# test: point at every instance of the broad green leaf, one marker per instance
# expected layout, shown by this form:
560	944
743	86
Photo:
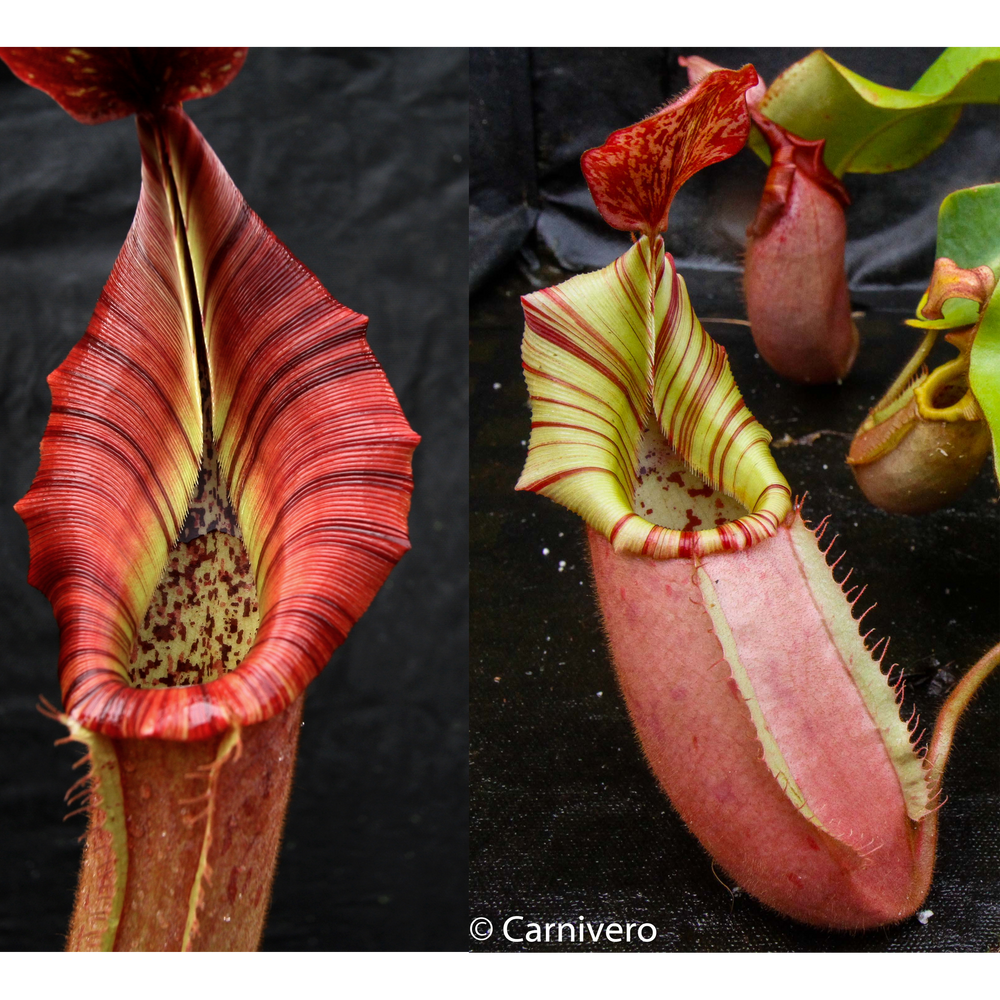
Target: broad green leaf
873	129
984	369
607	355
969	227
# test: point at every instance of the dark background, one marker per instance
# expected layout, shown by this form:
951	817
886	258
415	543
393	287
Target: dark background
566	819
358	160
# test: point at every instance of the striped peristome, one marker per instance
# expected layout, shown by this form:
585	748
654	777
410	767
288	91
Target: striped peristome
607	355
314	451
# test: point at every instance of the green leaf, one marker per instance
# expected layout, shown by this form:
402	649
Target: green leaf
984	369
969	227
873	129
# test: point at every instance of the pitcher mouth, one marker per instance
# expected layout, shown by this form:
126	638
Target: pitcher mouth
609	355
211	347
678	504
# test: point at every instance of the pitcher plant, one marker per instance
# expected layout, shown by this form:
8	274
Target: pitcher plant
765	714
224	486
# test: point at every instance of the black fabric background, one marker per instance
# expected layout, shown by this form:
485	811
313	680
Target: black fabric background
358	161
566	819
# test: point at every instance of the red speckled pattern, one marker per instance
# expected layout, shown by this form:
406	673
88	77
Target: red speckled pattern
101	84
203	616
634	176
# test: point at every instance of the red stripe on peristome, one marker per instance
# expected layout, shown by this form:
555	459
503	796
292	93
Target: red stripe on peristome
622	457
89	677
619	524
346	353
666	330
687	543
726	537
737	407
62	379
541	484
631	292
622	444
781	488
293	402
655	247
58	432
558	381
652	540
666	341
693	404
538	325
745	531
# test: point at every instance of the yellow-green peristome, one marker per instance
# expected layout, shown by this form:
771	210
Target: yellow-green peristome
607	355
